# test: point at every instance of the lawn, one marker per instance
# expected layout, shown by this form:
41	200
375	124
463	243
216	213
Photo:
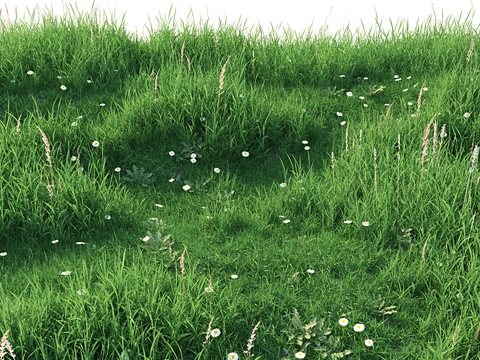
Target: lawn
218	193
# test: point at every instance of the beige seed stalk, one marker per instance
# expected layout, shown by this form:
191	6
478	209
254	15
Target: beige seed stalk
221	82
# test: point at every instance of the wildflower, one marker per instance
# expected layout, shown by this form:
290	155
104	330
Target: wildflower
300	355
108	217
117	169
171	180
208	289
80	293
217	170
186	187
193	160
159	205
466	115
146	238
286	221
234	276
80	243
66	273
349	94
343	123
171	153
307	148
63	87
124	356
310	271
74	124
232	356
283	185
339	114
348	221
459	295
304	142
245	154
365	223
215	332
73	158
359	327
30	72
102	104
343	322
369	342
95	143
193	156
54	241
3	254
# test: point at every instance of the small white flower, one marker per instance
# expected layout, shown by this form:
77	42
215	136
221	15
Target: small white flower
171	153
365	223
215	332
234	276
74	124
232	356
286	221
245	154
343	322
300	355
283	185
160	206
193	156
186	187
217	170
348	221
66	273
146	238
63	87
359	327
310	271
80	243
108	217
73	158
54	241
369	342
304	142
307	148
172	180
193	160
117	169
339	114
95	143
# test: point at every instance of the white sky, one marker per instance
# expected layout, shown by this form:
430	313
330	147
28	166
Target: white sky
297	14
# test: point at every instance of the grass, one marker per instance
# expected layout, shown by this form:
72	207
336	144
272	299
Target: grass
329	209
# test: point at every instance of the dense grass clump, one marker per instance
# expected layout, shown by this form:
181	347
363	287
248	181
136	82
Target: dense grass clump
212	194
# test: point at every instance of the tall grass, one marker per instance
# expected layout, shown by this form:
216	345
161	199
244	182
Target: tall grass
324	215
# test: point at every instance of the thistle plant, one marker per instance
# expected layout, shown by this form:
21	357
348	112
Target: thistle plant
309	334
138	177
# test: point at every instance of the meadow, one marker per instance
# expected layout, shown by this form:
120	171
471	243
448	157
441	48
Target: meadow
218	194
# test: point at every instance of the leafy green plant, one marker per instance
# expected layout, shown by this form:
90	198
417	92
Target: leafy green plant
138	177
156	243
311	334
189	149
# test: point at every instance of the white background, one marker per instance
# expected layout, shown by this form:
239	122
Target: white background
296	14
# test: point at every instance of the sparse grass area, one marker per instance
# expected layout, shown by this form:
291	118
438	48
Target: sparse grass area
330	208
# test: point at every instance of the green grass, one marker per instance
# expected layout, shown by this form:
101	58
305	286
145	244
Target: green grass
390	233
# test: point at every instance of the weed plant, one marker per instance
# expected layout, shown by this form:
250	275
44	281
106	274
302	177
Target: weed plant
210	194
